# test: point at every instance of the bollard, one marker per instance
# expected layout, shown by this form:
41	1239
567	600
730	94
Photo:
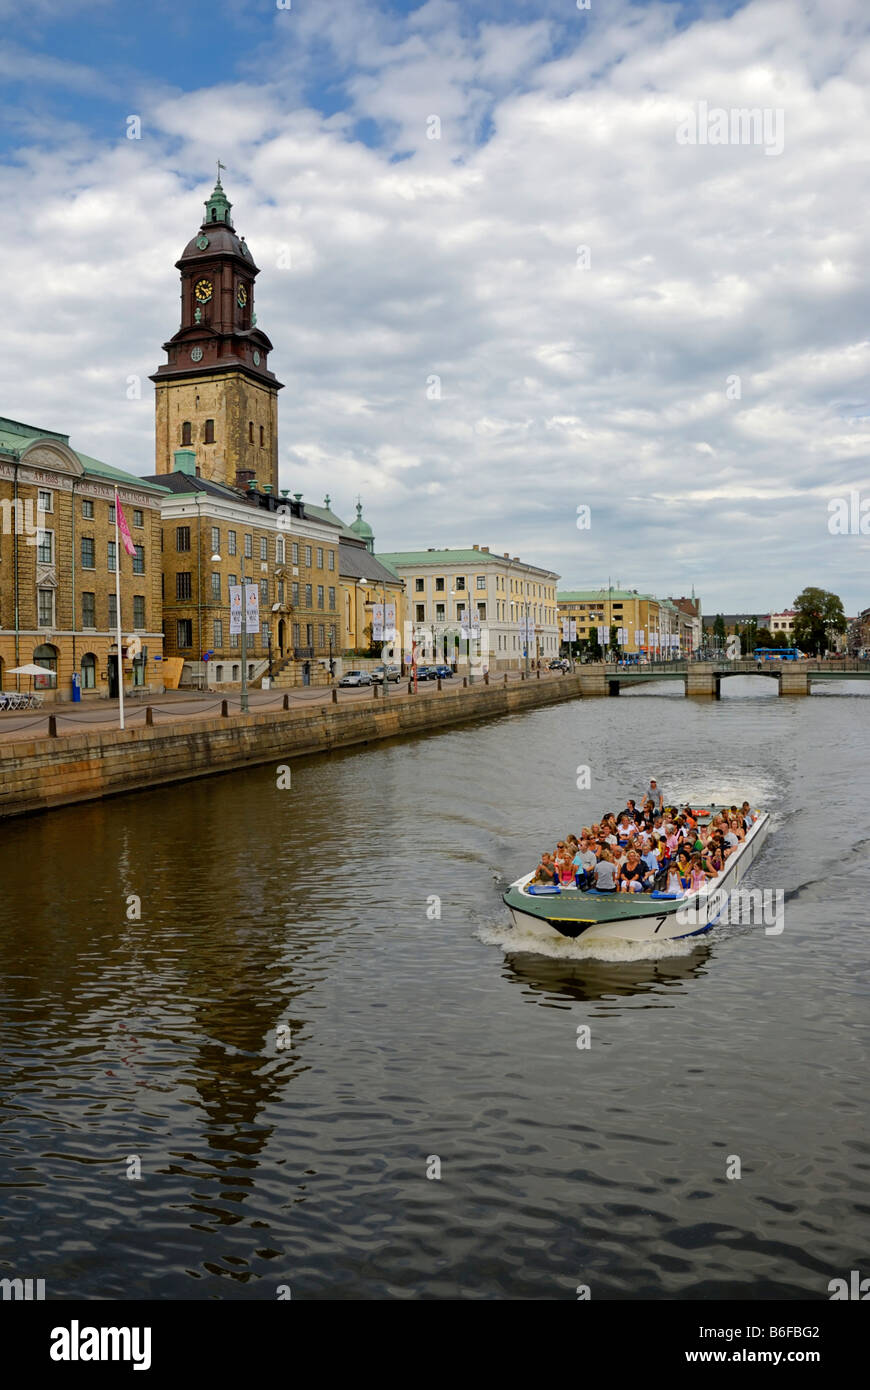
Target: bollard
410	687
464	682
374	691
486	678
149	717
538	673
334	696
286	702
52	726
438	683
225	709
505	677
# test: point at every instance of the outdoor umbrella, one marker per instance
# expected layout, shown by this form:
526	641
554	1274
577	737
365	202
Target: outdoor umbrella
31	670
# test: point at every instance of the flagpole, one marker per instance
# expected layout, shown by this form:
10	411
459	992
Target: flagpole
118	614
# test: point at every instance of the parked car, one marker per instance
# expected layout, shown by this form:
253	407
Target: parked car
426	673
445	672
393	674
355	678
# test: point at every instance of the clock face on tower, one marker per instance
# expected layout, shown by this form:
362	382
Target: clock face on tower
203	291
242	297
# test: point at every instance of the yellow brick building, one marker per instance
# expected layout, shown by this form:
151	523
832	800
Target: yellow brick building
57	567
638	614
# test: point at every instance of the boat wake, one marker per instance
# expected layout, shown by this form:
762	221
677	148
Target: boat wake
513	941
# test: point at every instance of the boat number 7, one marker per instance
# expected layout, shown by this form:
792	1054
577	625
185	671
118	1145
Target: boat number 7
660	923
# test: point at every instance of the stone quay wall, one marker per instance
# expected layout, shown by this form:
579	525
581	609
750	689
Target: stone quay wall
38	775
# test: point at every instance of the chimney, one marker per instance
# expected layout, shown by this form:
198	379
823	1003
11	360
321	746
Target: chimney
475	547
185	461
507	555
486	548
243	478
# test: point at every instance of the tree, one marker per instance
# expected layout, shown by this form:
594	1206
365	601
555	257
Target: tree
819	614
614	639
719	628
764	637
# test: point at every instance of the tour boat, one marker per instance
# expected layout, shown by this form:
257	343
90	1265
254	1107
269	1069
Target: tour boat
560	911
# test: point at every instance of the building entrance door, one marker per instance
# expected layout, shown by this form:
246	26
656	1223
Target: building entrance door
113	678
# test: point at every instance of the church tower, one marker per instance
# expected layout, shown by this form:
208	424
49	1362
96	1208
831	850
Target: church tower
216	400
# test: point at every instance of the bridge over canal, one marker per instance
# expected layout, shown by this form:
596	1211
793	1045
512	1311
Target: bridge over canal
704	678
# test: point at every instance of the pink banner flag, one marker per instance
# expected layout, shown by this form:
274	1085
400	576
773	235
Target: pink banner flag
124	528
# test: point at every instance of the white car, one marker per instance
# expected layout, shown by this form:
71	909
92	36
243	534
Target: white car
355	678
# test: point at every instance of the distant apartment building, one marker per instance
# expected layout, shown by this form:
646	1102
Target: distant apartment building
501	594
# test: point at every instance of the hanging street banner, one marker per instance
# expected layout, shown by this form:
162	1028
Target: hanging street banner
235	608
602	637
639	637
469	627
252	608
569	629
383	631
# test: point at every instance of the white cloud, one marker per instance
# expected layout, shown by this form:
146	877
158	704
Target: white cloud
560	384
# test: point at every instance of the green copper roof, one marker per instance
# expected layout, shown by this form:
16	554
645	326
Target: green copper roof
359	527
412	559
218	206
600	596
15	437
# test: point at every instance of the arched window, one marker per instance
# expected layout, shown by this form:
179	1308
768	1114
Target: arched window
185	432
237	673
219	674
250	431
89	671
46	655
262	436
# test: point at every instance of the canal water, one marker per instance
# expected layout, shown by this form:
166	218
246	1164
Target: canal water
361	908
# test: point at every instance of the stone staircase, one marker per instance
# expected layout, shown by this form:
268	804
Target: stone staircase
287	674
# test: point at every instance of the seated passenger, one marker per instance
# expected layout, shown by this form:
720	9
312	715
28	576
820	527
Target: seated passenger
564	865
697	878
584	862
632	878
605	875
546	871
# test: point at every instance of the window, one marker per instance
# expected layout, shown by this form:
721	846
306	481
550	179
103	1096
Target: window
87	509
279	550
481	610
182	538
421	612
460	612
184	633
249	547
89	610
250	431
45	547
111	513
320	596
481	581
183	584
216	586
45	501
308	556
280	590
264	549
419	586
295	552
235	641
295	598
332	599
321	635
89	671
264	591
320	557
307	595
231	542
113	611
139	559
112	557
460	583
138	610
45	607
439	585
186	432
296	634
218	637
219	673
331	558
265	634
262	436
440	613
138	517
89	559
209	432
215	540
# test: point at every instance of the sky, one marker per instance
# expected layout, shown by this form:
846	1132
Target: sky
516	260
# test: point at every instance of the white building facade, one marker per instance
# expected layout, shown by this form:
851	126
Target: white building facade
473	608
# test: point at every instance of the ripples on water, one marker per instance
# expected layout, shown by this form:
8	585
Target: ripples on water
418	1036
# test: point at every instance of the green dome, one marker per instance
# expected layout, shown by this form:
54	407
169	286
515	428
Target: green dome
361	528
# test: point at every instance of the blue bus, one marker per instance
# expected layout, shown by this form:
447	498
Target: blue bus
777	654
